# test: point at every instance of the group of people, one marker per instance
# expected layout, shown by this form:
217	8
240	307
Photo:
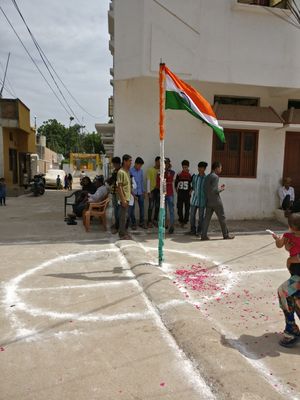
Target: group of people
198	196
67	184
91	192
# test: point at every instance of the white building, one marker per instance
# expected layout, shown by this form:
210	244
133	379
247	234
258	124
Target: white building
244	59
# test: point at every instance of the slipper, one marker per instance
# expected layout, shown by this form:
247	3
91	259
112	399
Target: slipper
71	222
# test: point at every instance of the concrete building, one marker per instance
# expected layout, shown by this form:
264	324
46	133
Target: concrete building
244	58
17	142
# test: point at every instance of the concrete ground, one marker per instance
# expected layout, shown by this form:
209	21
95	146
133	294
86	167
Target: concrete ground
85	316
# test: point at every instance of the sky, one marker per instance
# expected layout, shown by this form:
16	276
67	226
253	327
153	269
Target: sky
73	34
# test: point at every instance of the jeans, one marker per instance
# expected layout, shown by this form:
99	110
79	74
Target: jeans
116	209
183	200
201	211
122	220
153	204
140	200
170	206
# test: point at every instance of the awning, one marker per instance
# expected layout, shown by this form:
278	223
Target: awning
292	119
105	128
247	117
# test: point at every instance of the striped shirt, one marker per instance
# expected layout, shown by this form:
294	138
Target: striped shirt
198	196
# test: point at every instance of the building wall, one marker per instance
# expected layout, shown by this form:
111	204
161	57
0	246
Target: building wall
206	40
137	133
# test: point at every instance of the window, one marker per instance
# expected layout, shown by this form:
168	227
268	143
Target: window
238	155
294	104
266	3
237	100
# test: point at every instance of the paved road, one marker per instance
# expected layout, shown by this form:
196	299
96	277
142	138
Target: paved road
84	316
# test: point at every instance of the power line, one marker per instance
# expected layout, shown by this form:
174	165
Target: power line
32	59
45	58
9	85
7	89
41	55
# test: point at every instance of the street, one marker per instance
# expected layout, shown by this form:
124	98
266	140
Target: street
85	316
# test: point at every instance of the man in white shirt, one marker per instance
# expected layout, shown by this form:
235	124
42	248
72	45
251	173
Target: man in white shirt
101	191
286	194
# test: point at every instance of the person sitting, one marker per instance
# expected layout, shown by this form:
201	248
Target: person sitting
81	197
286	194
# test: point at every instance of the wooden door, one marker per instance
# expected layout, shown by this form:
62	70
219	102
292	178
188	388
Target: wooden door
291	166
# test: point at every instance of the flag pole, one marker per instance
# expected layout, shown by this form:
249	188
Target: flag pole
161	225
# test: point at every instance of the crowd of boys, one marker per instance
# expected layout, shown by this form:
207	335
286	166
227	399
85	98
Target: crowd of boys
197	195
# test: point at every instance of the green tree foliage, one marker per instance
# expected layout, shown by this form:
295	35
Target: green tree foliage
64	140
55	134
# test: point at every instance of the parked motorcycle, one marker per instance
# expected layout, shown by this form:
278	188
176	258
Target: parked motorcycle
37	186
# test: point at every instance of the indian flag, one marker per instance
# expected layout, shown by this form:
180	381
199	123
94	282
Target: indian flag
181	96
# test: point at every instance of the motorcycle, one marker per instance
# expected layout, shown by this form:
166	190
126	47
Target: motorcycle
37	186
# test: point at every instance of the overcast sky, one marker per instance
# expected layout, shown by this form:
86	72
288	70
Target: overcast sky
74	36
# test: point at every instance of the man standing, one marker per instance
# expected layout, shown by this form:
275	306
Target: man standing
112	181
153	192
213	201
124	193
137	173
198	201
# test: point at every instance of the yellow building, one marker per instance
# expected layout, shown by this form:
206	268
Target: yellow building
17	141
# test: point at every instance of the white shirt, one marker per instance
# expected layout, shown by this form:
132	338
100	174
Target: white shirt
282	192
99	195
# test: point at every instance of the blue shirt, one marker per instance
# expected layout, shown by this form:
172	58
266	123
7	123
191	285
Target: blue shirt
139	180
198	196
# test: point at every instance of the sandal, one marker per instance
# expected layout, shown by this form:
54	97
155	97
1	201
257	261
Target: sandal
288	340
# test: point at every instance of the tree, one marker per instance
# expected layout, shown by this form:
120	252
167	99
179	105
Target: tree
65	140
55	133
92	143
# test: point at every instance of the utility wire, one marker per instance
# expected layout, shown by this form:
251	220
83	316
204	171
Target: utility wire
45	59
7	89
9	85
32	59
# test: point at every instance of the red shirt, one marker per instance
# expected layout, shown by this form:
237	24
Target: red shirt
169	177
295	241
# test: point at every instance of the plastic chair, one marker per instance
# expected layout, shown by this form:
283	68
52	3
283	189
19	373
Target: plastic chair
95	210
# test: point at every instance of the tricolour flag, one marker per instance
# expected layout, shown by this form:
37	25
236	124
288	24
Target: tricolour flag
181	96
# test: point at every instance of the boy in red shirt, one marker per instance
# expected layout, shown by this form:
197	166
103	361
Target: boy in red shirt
183	188
169	198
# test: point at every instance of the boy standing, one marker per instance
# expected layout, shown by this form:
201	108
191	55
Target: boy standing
153	192
112	181
124	193
2	192
58	183
137	173
183	189
169	198
198	201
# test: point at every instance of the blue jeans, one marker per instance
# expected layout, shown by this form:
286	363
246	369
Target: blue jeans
201	211
140	200
170	206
